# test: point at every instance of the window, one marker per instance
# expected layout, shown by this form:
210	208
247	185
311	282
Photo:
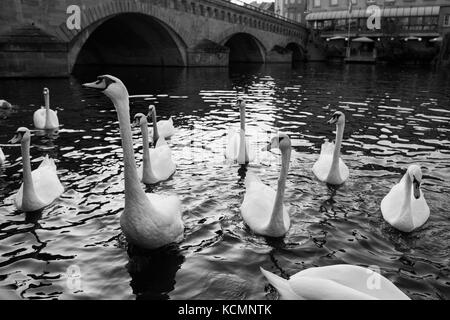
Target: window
447	20
316	3
354	1
333	2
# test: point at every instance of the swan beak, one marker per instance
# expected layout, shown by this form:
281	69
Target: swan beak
332	120
15	139
268	147
416	188
94	85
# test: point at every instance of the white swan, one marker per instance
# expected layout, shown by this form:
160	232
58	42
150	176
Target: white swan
404	207
148	220
337	282
46	118
262	209
238	147
40	187
330	168
2	157
157	162
161	128
5	104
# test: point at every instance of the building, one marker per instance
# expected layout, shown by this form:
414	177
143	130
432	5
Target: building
292	9
264	5
412	26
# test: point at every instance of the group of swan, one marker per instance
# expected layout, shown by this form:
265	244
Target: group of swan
151	220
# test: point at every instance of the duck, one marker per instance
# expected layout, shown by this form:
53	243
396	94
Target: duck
157	162
148	220
262	209
40	187
238	149
161	128
46	118
330	167
335	282
2	157
405	207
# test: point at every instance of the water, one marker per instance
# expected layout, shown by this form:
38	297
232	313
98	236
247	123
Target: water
395	117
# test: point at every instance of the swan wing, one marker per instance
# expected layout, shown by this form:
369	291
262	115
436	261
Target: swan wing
46	182
166	128
345	282
343	170
2	157
282	286
420	210
53	121
161	160
167	215
322	166
39	118
232	149
391	205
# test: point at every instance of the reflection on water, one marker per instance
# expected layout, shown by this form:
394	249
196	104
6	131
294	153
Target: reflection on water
395	117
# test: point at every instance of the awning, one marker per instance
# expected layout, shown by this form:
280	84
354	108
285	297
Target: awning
437	39
336	38
362	39
386	12
412	38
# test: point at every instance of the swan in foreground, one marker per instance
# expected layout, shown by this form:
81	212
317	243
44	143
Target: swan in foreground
238	147
40	187
404	207
157	162
330	168
46	118
161	128
262	209
148	220
337	282
2	157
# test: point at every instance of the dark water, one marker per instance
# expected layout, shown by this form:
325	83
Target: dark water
74	249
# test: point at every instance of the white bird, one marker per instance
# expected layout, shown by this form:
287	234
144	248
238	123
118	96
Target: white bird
238	148
330	168
157	162
40	187
161	128
5	104
337	282
262	209
405	207
46	118
148	220
2	157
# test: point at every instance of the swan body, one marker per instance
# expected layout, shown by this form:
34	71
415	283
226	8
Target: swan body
336	282
46	118
157	164
149	221
262	209
330	167
237	148
40	187
2	157
161	128
405	207
5	104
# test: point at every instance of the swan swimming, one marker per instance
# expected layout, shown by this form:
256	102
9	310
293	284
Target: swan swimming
2	157
46	118
262	209
330	168
157	162
5	105
161	128
148	220
336	282
405	207
238	147
40	187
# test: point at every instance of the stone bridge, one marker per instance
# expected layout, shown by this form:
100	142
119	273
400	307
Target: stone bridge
49	37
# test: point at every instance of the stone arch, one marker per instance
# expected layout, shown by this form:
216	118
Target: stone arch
298	52
244	48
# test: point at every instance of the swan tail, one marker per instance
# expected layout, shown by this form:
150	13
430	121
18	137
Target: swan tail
161	142
327	147
282	285
48	162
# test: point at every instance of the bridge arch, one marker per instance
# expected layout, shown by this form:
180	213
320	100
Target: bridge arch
298	52
245	48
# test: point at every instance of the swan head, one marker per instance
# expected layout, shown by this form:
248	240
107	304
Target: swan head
46	92
140	119
281	141
240	103
338	118
111	86
415	174
22	135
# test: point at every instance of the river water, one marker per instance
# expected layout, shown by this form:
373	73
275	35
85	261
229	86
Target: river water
74	249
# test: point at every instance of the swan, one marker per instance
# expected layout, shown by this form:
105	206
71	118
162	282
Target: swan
161	128
148	221
5	104
157	162
336	282
40	187
238	148
2	157
46	118
330	168
262	209
405	207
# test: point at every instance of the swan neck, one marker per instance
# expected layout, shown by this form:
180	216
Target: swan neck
155	127
28	186
242	118
277	219
146	149
133	189
337	148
